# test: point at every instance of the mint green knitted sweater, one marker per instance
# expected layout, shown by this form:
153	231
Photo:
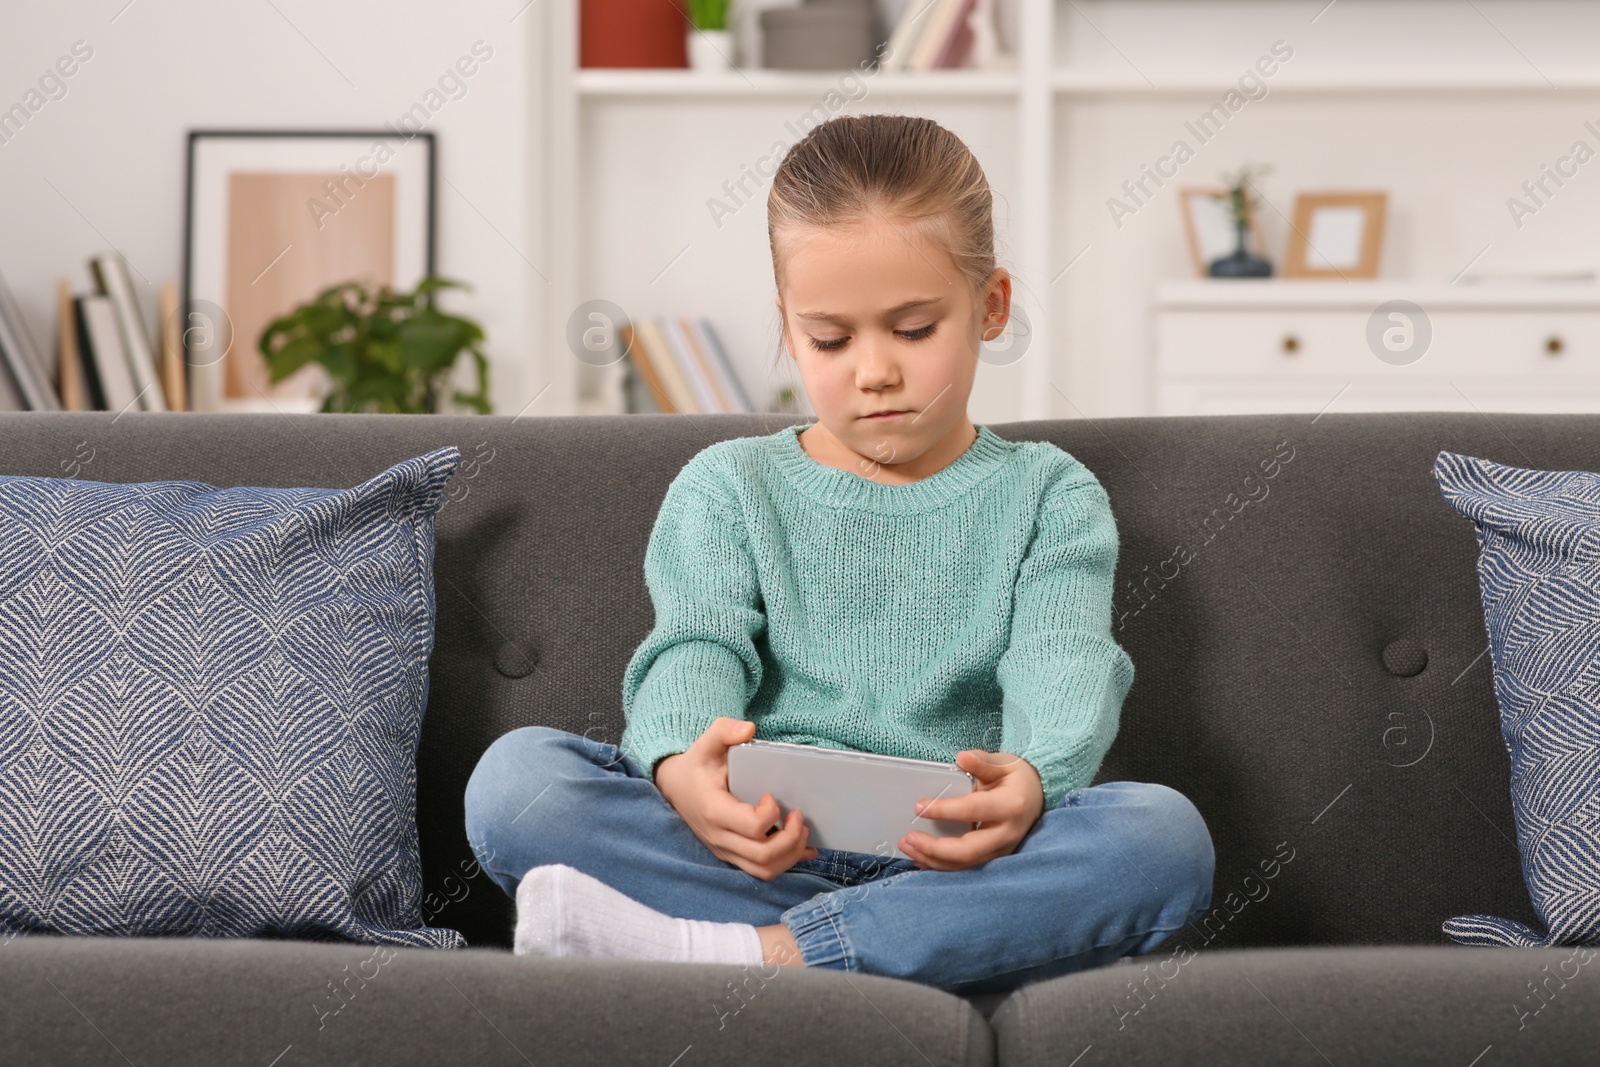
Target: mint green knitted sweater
969	609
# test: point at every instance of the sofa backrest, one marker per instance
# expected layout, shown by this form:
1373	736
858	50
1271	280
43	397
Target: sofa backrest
1299	602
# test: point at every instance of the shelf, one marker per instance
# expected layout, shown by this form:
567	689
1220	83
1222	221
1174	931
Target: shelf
1093	81
1066	81
1369	293
601	83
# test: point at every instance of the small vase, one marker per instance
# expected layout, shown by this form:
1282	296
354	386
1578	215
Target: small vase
710	49
1240	263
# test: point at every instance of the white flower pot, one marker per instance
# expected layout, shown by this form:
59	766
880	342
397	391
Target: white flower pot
710	49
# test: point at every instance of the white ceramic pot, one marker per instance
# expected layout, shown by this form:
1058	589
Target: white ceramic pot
710	49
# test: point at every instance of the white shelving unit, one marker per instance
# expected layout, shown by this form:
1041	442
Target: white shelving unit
1379	94
582	106
595	84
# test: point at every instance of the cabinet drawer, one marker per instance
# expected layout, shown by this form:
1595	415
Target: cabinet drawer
1295	342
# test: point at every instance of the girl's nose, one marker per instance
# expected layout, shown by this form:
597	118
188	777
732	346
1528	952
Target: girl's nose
876	368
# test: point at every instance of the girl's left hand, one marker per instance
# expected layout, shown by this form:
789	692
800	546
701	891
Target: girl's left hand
1006	801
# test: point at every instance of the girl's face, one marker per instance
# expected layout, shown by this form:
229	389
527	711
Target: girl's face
879	319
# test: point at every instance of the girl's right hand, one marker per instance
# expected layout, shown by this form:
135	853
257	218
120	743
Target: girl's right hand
695	783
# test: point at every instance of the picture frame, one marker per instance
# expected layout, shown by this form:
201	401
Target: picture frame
1336	235
273	217
1208	226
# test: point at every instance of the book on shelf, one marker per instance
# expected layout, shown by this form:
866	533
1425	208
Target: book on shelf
701	387
105	363
707	338
635	395
935	34
678	365
651	345
95	367
641	372
75	393
110	272
10	395
174	369
28	375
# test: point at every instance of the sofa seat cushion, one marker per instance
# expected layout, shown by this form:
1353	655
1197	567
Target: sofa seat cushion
1313	1005
92	1001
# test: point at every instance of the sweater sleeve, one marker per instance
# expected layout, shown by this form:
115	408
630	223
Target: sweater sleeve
1062	675
699	660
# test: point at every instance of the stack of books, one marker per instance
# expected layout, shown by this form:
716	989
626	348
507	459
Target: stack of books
682	366
105	358
933	35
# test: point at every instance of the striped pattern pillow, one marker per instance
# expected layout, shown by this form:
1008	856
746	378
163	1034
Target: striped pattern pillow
1539	576
210	702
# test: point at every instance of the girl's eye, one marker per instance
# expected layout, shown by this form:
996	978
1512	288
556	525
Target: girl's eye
834	344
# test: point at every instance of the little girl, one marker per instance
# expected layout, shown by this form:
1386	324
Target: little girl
890	578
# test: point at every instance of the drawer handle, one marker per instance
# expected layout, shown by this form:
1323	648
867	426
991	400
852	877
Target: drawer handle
1291	344
1553	345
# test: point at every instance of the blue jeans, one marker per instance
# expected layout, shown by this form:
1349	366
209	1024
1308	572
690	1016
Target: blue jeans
1110	871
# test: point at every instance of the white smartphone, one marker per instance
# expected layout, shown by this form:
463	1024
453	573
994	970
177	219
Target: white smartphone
852	801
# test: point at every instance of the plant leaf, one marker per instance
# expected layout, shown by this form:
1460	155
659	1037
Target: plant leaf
385	354
292	356
429	342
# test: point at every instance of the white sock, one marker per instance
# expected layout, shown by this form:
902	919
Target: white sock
562	911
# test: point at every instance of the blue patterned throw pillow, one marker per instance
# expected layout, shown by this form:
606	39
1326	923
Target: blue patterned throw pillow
1539	576
210	702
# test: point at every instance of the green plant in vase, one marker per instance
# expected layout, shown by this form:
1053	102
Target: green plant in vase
1241	196
709	14
383	350
710	40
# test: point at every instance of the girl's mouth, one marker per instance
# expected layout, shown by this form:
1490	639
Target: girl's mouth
884	416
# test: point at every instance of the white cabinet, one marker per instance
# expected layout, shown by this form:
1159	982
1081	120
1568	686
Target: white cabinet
1236	347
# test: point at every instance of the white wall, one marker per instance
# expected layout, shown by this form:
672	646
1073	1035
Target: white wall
103	165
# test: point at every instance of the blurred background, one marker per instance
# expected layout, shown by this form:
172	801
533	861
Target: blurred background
1207	207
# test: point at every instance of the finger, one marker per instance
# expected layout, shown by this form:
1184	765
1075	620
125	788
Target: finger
715	738
768	815
772	856
1014	765
790	841
712	838
986	766
983	806
728	732
757	825
750	821
956	853
803	849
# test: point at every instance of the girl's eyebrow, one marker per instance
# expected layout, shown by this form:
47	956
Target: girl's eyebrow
907	306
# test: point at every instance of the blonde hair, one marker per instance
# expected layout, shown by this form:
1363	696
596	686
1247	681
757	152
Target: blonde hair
907	168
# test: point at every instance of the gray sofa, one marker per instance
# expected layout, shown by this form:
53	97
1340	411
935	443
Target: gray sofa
1309	672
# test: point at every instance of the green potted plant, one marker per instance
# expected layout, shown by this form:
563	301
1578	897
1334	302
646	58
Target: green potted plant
710	41
383	351
1241	196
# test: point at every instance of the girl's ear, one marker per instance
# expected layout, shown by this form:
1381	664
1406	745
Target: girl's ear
997	301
